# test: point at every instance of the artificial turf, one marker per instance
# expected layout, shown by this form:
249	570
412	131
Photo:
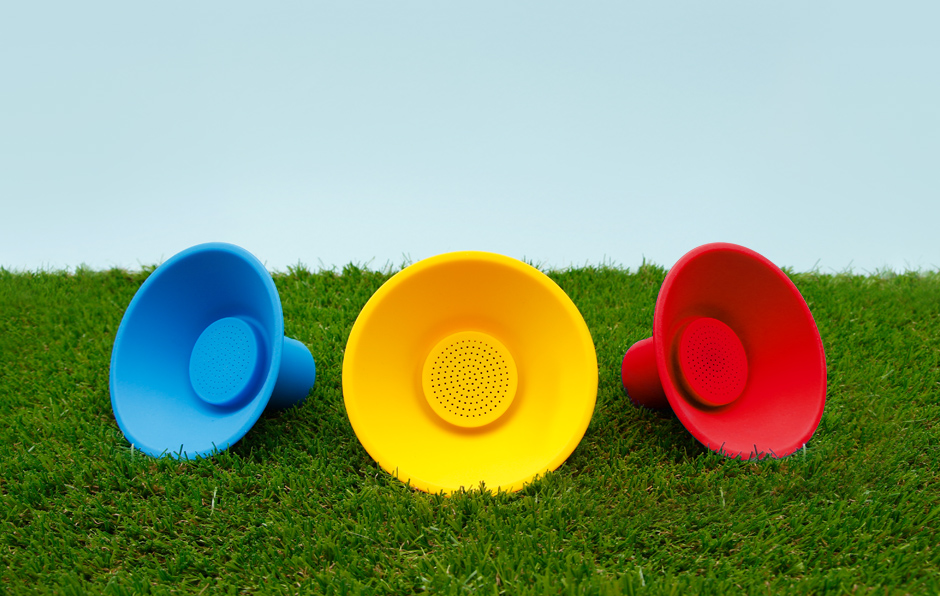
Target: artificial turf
640	507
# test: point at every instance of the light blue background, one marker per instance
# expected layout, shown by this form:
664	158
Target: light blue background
562	133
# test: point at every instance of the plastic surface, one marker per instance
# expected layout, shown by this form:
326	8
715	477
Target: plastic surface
641	377
420	315
296	378
469	379
225	363
711	361
784	389
199	352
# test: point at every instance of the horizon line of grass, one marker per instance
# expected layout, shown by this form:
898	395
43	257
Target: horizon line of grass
390	269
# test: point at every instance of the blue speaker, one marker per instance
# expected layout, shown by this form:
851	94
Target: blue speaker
201	353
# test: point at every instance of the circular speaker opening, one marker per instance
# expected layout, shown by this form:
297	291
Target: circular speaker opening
469	379
224	362
712	361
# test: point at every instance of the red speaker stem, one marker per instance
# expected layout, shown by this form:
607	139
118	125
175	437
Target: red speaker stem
641	377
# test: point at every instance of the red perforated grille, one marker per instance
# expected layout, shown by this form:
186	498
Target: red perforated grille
712	361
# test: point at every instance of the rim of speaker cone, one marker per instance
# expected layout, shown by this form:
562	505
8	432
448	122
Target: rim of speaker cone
200	353
735	352
468	368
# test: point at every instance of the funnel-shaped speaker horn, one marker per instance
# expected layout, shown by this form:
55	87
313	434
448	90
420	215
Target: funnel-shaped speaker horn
469	368
735	353
201	352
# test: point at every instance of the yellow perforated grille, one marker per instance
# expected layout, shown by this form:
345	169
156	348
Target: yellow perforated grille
469	379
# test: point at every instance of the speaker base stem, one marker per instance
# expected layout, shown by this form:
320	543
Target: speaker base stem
641	377
296	377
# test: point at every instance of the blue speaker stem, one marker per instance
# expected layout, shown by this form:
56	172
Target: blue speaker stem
296	377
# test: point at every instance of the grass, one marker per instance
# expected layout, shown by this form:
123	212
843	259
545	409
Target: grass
640	507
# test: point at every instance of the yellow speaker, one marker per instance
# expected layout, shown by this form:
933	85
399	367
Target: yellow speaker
469	369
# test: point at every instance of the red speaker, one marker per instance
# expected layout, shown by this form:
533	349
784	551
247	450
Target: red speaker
735	353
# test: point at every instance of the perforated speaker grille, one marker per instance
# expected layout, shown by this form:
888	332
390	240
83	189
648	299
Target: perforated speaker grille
224	361
469	379
712	361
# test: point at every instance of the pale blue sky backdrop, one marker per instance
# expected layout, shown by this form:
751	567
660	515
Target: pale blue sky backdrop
564	133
